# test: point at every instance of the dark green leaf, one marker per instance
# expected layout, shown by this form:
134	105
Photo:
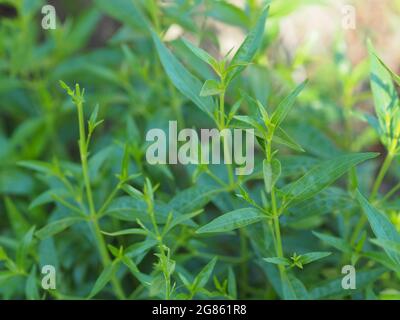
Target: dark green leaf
56	227
183	80
381	226
322	175
233	220
249	47
103	279
335	242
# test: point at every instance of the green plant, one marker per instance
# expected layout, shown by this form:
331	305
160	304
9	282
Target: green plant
323	193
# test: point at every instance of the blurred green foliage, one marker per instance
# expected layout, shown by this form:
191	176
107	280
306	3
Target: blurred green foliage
114	226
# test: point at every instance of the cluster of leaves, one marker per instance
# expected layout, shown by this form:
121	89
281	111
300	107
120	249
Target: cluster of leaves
114	226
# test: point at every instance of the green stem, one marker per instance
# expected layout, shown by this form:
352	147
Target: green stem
222	126
382	172
105	258
276	213
222	109
242	234
83	154
164	258
277	231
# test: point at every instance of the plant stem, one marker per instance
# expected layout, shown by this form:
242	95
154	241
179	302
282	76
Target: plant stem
242	234
83	154
222	109
391	192
106	258
382	172
106	203
277	231
101	244
275	212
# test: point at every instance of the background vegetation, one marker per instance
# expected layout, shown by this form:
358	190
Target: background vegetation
324	193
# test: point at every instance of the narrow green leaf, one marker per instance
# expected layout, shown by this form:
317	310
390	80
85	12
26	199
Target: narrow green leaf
381	225
313	256
283	138
18	222
127	208
234	109
103	279
313	140
180	220
252	122
93	123
125	11
48	197
202	278
56	227
278	260
293	288
143	278
31	288
322	175
286	104
384	93
333	288
249	47
23	247
183	80
194	198
232	286
126	232
335	242
210	88
200	53
233	220
383	259
388	245
3	254
66	87
228	13
140	248
395	77
39	166
329	200
48	254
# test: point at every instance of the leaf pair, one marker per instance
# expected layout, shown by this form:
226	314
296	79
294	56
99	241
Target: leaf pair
298	260
189	85
270	127
201	279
